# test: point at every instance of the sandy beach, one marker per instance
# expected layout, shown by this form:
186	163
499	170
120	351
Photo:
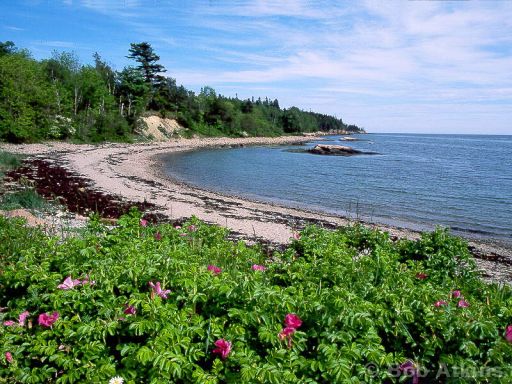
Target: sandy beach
134	172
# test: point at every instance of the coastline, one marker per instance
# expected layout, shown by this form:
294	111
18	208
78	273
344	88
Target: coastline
135	172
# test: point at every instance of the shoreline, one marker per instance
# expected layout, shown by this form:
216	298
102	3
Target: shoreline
135	172
375	221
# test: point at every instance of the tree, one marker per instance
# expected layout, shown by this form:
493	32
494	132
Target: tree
291	120
247	106
143	54
206	98
106	72
133	92
59	98
26	101
63	70
7	48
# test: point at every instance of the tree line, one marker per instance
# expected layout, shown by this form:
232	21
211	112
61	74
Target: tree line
59	98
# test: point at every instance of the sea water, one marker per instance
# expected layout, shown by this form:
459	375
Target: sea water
415	181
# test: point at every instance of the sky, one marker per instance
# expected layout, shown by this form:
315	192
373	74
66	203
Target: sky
388	66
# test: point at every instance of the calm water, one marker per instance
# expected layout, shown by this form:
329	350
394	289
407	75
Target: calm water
416	181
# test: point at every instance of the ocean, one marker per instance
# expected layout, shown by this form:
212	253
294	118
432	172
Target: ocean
415	181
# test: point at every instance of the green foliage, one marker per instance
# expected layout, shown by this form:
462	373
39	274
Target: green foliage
143	54
356	292
57	99
7	47
8	161
26	198
217	115
25	101
133	91
445	255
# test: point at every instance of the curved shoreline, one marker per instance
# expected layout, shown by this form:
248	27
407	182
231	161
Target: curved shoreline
135	172
158	166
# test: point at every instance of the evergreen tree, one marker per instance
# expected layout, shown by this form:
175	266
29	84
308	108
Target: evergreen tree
143	54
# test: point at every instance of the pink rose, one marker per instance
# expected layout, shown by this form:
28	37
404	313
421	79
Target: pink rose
292	321
508	333
462	304
69	283
223	348
47	320
158	290
130	310
23	316
286	332
213	269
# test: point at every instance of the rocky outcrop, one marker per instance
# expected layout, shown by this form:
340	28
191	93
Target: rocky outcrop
339	150
348	138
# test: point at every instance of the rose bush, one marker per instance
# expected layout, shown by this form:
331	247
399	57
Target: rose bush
161	304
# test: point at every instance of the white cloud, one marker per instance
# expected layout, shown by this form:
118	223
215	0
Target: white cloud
13	28
55	43
109	5
338	54
115	9
273	8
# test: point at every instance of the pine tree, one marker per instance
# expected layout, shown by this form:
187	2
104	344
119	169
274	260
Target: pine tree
143	53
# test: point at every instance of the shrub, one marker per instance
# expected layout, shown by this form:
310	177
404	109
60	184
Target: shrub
8	161
26	198
335	306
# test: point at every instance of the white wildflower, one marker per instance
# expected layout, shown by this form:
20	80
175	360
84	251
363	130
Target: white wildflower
116	380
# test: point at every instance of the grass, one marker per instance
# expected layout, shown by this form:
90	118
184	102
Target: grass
8	161
26	198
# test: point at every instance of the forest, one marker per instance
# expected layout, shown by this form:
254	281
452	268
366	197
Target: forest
61	99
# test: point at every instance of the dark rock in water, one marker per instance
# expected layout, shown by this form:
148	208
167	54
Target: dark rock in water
340	150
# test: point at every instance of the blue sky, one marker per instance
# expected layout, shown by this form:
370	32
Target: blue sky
389	66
